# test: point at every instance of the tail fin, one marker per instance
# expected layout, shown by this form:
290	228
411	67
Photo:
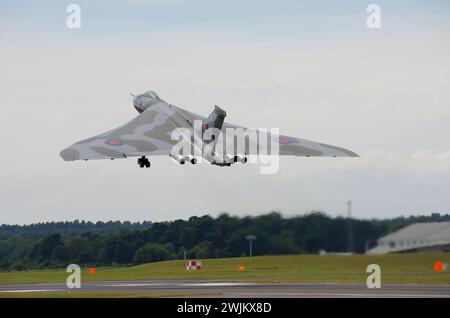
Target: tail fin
216	118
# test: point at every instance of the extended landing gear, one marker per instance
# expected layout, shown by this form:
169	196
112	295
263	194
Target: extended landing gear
143	162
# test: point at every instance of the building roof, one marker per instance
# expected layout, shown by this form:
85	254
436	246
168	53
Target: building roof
414	236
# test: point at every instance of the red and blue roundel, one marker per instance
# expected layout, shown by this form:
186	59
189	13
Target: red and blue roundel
114	142
284	140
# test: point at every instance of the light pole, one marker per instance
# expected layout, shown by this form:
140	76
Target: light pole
250	238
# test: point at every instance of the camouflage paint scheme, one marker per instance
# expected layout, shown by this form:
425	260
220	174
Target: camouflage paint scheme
149	134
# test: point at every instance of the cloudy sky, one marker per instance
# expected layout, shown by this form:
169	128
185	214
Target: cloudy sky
312	69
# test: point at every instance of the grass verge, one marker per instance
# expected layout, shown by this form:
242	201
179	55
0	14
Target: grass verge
395	268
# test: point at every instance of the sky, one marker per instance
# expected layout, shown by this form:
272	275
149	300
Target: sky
310	68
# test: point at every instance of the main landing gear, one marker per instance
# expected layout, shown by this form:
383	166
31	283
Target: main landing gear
143	162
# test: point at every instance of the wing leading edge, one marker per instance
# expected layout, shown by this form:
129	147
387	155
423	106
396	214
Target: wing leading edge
290	146
148	134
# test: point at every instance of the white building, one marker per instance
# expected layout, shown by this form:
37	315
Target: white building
433	236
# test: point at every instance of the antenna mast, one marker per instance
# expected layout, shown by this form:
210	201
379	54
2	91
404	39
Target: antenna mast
349	227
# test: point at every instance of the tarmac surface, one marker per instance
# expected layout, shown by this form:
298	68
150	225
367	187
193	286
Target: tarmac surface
186	288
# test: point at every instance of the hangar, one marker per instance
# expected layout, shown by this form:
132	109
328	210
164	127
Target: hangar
418	237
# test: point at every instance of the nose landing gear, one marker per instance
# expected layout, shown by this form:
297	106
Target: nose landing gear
143	162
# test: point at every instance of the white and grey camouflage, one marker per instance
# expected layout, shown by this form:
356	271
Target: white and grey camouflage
149	134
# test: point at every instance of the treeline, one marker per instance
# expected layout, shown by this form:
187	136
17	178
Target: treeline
198	237
38	230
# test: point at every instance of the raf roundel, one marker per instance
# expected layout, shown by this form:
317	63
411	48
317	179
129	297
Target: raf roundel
114	142
284	140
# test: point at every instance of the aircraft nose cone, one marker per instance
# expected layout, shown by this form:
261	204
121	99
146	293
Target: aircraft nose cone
70	154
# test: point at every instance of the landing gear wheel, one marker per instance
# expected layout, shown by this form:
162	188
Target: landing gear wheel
143	162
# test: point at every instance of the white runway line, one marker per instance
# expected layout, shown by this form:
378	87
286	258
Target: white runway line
217	284
135	285
29	290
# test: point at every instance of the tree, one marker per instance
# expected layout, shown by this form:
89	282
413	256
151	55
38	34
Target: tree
204	250
152	252
76	247
284	243
102	257
44	249
60	253
236	244
124	253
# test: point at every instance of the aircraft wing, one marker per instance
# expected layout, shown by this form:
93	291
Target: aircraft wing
288	146
291	146
148	134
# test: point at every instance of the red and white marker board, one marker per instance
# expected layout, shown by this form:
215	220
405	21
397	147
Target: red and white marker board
193	265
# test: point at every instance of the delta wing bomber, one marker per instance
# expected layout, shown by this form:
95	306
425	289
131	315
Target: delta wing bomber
160	126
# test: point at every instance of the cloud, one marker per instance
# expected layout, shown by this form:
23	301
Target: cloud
431	163
422	165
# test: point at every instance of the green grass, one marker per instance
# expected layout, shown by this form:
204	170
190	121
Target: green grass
395	268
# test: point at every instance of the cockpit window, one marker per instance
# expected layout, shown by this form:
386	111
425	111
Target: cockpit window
151	94
148	99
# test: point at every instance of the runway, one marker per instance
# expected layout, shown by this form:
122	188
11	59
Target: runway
185	288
